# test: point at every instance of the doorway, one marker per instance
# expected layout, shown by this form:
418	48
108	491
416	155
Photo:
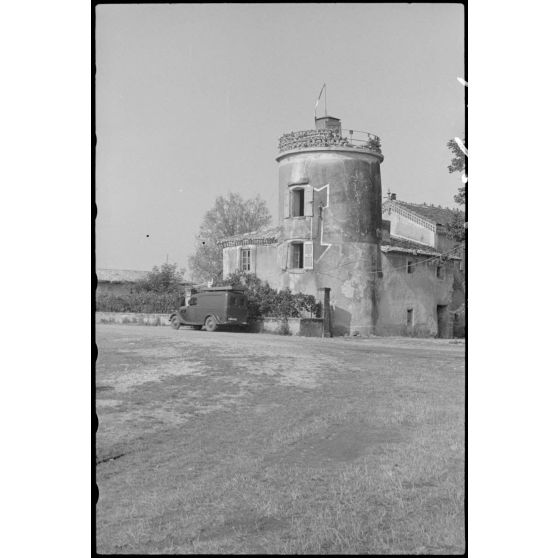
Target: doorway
443	321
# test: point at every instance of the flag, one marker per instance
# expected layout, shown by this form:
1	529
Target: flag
319	97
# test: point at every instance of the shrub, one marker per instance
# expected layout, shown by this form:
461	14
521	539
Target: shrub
264	301
144	301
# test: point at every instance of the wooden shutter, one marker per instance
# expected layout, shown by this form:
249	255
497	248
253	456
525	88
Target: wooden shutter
287	203
308	255
286	255
238	261
308	201
283	251
252	259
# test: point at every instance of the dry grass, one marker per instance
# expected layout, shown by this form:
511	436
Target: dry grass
367	457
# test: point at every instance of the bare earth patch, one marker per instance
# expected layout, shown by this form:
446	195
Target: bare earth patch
237	443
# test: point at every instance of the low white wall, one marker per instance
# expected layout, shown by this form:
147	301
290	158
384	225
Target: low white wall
132	318
312	327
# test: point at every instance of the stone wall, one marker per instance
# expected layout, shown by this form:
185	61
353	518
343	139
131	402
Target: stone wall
304	327
131	318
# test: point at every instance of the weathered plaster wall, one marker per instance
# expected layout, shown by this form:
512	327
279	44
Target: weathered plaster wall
345	226
264	261
421	291
444	243
403	227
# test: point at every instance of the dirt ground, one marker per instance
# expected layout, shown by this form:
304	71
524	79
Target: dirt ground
250	443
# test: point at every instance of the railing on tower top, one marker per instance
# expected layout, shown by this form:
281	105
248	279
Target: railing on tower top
329	138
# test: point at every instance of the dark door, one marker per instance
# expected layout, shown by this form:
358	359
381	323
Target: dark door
443	321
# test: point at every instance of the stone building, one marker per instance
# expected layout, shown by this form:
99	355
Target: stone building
390	270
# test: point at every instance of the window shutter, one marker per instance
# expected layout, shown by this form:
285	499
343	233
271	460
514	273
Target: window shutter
238	266
308	255
308	201
253	259
284	255
281	249
287	204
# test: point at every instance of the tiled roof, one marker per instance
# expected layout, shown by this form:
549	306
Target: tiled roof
123	275
435	214
404	246
266	235
120	275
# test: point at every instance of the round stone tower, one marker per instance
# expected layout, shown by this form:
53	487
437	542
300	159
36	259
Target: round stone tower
330	198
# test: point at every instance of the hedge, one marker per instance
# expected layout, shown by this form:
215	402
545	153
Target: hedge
145	302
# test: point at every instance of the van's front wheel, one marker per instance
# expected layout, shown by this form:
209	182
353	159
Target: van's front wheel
175	322
210	324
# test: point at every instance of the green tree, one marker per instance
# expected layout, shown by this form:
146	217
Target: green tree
229	216
457	165
165	279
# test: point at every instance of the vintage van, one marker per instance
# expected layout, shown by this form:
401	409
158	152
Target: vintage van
213	307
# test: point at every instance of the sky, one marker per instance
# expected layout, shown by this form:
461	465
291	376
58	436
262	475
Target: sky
192	99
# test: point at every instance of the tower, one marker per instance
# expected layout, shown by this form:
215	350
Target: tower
330	198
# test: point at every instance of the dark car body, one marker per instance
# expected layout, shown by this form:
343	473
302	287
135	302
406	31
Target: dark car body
213	307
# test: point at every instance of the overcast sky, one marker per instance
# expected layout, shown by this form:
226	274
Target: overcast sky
191	101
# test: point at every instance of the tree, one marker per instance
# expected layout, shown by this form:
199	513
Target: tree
229	216
166	279
456	227
457	165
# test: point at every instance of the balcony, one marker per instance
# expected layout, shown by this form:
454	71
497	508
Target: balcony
348	139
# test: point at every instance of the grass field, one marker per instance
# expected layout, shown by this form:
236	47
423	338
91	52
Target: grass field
238	443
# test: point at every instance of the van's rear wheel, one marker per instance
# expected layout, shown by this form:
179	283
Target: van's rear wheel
175	322
210	324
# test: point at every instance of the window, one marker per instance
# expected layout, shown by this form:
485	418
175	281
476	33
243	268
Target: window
410	317
410	267
193	301
440	272
297	255
298	202
245	257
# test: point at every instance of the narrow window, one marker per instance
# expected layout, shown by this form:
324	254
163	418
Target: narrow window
297	255
410	267
245	259
298	202
410	317
439	272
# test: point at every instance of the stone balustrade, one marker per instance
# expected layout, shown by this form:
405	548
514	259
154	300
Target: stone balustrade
304	139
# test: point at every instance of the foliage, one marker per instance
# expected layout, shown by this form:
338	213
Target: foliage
458	160
229	216
458	164
143	301
166	279
456	227
264	301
